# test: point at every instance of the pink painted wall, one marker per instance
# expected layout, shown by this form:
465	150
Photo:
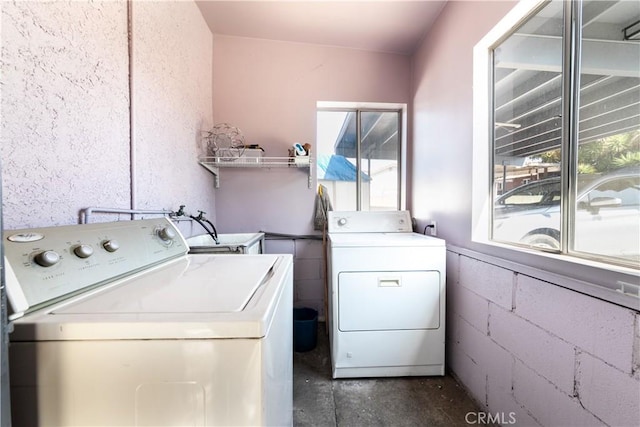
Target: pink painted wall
269	90
519	341
64	119
172	87
64	140
442	105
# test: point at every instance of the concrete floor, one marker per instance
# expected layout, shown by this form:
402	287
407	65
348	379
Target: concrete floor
319	400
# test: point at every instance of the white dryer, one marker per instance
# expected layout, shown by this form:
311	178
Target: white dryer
387	296
115	325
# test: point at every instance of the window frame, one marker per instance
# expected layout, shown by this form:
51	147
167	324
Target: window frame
614	283
401	203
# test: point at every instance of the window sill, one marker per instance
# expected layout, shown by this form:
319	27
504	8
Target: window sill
616	284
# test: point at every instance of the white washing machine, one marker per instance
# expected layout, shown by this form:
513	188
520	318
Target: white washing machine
387	296
115	325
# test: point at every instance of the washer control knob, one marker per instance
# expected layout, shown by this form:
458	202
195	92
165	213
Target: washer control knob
167	234
47	258
111	245
342	221
83	251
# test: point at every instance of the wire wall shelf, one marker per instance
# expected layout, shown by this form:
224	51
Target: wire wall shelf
214	164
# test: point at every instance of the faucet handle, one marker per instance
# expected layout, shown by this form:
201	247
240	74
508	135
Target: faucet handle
180	211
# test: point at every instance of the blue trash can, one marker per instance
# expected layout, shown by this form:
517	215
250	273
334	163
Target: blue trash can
305	329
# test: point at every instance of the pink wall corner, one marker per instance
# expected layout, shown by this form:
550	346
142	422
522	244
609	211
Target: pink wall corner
171	113
442	115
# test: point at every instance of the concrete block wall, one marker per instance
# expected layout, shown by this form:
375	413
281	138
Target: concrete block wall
308	270
536	354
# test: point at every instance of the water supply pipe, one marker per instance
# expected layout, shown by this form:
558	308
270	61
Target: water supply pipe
86	213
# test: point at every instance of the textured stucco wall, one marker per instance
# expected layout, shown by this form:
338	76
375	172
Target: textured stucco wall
516	338
66	109
172	67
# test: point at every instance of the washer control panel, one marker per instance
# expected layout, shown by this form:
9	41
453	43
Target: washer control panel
44	265
369	222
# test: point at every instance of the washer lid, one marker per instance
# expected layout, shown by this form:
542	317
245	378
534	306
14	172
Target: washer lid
193	297
197	284
383	240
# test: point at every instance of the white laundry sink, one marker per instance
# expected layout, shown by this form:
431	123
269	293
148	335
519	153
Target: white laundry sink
236	243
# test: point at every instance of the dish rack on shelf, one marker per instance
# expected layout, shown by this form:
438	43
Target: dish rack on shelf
213	164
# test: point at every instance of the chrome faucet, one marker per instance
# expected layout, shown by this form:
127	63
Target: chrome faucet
179	212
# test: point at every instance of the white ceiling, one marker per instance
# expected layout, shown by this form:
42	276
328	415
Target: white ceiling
384	25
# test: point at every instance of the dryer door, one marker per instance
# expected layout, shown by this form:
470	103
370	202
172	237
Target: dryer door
396	300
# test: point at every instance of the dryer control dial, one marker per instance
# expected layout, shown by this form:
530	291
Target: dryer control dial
342	221
47	258
83	251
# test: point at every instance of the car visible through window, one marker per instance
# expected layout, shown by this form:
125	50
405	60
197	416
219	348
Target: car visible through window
605	222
